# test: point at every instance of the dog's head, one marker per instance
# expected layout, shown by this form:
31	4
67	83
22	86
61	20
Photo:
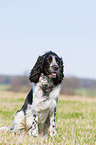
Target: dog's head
51	65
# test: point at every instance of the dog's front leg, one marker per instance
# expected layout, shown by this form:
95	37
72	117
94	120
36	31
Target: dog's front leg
53	131
33	129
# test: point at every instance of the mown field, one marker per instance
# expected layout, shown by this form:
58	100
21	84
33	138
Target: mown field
75	121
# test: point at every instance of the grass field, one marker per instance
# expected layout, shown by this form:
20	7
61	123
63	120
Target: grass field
86	92
75	121
4	87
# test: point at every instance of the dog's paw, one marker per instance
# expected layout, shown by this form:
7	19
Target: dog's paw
32	132
53	133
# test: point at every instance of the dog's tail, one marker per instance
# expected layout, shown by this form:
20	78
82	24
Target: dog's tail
6	128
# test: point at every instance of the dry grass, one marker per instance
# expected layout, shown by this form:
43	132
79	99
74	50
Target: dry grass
77	98
75	120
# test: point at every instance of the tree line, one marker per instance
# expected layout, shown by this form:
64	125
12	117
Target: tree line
69	84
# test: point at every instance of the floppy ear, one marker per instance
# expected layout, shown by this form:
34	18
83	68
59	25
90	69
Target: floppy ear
62	69
60	75
37	70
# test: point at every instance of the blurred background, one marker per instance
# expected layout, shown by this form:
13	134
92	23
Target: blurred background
31	28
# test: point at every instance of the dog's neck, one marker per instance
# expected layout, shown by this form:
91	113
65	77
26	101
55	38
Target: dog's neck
45	80
46	84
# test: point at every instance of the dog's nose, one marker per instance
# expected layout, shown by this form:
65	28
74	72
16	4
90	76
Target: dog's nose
55	67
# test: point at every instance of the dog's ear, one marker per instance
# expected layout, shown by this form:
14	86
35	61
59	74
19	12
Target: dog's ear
60	75
62	68
37	70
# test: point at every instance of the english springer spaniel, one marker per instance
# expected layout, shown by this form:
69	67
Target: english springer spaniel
37	115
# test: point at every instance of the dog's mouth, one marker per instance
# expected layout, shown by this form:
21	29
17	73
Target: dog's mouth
52	75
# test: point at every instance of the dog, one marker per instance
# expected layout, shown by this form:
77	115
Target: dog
37	115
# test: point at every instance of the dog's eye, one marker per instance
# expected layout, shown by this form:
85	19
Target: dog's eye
50	59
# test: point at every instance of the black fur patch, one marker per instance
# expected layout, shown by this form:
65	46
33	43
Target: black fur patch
29	100
46	90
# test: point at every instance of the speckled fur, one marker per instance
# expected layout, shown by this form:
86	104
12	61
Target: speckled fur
42	108
37	115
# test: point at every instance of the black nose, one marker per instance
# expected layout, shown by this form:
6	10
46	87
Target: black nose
55	67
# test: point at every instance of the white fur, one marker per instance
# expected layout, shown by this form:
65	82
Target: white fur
19	122
42	107
4	128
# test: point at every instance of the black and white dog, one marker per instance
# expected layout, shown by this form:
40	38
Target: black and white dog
37	115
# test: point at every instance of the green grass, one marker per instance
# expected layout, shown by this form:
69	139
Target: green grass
75	121
4	87
86	92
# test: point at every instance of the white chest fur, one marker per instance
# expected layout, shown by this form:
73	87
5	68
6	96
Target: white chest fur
43	104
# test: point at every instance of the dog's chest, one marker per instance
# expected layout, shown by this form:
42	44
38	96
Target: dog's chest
45	95
46	89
